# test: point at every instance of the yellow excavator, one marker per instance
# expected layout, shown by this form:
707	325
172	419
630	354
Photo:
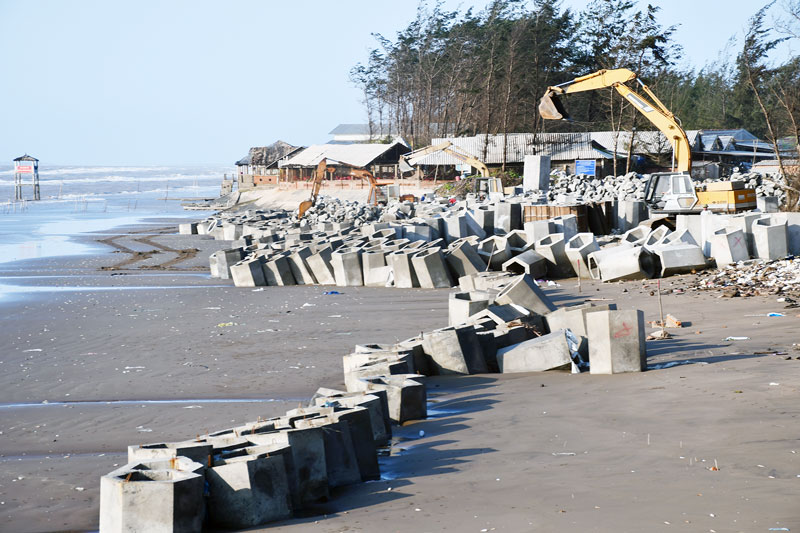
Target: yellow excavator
453	150
319	175
667	192
375	194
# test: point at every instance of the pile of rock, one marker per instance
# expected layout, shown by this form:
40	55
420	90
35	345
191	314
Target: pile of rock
756	278
577	189
268	470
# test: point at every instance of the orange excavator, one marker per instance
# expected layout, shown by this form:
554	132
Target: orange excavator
319	175
375	195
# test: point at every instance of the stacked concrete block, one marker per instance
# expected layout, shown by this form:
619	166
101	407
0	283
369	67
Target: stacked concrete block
249	273
678	258
552	248
474	227
360	423
494	251
278	271
484	217
376	405
463	259
347	270
578	249
523	291
770	239
455	227
768	204
405	277
536	230
548	352
518	242
630	213
616	341
454	350
729	246
231	232
431	269
164	496
198	451
502	314
574	319
566	225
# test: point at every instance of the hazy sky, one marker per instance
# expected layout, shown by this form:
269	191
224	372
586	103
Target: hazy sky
179	82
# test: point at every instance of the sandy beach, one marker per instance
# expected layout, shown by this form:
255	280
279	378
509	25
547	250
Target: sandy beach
138	344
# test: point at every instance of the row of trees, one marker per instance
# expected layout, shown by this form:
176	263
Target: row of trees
474	72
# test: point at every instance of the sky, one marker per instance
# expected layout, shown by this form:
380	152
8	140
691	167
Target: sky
150	82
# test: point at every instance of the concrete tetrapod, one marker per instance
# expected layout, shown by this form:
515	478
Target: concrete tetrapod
407	397
300	269
340	455
464	260
248	273
165	497
346	263
454	350
528	262
616	341
377	405
552	248
198	451
404	275
462	305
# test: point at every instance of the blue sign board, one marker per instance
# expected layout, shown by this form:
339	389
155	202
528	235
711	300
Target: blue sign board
586	166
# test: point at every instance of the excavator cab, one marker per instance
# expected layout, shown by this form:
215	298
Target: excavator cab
671	193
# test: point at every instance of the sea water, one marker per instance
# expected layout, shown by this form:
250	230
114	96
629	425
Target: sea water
76	200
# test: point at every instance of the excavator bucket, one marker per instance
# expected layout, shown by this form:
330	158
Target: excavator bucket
551	108
304	205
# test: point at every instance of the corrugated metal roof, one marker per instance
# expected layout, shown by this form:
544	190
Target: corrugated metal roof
355	155
26	157
644	142
559	146
361	129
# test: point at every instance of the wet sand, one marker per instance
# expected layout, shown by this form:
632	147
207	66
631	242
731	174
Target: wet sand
85	332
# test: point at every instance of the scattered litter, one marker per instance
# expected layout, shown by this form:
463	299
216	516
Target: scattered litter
142	429
225	324
334	316
564	453
328	293
193	407
135	367
80	489
775	314
421	433
736	339
212	308
308	305
773	384
260	289
661	366
659	335
32	350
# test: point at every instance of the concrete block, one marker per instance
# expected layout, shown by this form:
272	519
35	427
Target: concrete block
573	318
616	341
630	213
566	225
552	248
464	260
310	480
405	277
454	350
189	228
528	262
524	292
621	262
341	462
376	404
484	216
548	352
536	173
320	266
420	232
455	227
358	418
277	270
431	269
249	273
231	232
361	365
142	498
578	249
507	217
298	264
768	204
518	242
494	251
198	451
221	262
406	396
770	239
502	314
248	493
462	305
536	230
729	246
679	258
347	270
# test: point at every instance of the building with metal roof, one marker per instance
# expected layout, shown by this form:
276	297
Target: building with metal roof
380	159
363	133
260	165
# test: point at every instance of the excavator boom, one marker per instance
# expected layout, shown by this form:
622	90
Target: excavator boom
551	108
319	175
456	152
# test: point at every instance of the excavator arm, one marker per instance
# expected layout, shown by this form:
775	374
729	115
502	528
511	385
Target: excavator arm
319	175
551	108
453	150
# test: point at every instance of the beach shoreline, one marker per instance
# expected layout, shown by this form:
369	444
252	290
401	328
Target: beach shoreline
87	335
